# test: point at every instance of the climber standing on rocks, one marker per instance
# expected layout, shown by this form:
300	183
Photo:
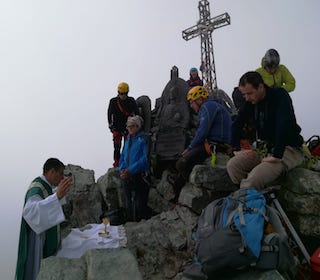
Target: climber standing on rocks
120	108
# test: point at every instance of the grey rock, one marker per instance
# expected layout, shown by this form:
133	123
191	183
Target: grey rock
303	181
84	201
195	198
96	264
308	225
300	197
55	268
164	187
111	187
212	178
162	244
112	264
157	203
305	204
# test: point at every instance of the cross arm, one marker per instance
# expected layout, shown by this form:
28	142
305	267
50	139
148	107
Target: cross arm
206	26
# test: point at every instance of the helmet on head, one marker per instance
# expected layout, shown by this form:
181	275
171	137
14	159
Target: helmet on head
197	92
123	88
193	69
271	58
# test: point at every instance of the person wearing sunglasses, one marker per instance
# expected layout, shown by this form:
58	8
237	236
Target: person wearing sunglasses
120	108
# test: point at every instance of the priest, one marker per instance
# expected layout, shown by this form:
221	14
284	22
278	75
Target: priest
41	216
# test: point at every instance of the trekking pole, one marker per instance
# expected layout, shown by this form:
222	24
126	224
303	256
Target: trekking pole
290	227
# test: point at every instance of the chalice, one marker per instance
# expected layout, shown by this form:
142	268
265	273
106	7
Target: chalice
104	233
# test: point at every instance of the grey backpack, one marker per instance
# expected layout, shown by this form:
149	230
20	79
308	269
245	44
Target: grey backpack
275	250
231	235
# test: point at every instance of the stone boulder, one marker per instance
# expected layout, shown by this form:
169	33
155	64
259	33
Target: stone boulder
300	197
111	188
163	244
84	201
96	264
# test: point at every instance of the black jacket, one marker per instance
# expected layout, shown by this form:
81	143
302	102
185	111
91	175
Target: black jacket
274	119
119	111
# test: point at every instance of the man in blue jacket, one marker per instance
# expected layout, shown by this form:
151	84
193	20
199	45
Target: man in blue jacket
214	129
278	145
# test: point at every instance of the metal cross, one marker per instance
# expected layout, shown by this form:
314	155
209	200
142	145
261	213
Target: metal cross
204	29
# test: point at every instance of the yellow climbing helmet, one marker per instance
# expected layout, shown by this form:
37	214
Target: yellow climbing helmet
197	92
123	87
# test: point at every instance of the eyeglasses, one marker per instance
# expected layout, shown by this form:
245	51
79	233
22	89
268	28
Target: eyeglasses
123	93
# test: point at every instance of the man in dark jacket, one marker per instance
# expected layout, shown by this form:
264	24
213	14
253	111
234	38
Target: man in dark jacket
120	108
278	145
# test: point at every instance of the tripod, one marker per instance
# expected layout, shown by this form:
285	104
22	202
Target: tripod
275	202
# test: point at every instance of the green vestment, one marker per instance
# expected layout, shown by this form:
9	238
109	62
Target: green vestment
43	189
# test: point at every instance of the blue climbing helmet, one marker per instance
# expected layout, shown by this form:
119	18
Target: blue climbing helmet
193	69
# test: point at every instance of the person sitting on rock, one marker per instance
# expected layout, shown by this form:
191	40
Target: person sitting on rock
194	79
275	74
134	170
214	130
278	145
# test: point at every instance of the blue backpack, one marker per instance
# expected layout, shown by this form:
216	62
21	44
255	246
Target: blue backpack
230	231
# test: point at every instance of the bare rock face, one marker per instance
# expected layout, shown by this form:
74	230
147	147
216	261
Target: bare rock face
84	201
94	265
162	245
301	199
111	188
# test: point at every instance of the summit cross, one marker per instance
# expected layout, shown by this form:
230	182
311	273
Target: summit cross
204	29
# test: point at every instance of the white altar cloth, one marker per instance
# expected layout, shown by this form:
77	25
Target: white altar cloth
80	240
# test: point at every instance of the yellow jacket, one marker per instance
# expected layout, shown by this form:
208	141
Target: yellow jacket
280	78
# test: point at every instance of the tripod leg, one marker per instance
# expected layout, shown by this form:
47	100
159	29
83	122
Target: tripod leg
291	229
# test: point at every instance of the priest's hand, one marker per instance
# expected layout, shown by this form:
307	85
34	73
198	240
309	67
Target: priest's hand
64	187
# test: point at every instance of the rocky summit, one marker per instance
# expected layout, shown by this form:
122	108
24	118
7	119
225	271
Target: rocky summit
162	246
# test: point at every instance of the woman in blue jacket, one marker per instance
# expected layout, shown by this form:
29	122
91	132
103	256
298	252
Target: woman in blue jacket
134	170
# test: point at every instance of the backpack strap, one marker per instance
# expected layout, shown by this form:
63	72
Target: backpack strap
122	109
266	240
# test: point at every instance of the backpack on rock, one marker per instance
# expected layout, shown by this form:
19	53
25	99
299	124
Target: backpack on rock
240	231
